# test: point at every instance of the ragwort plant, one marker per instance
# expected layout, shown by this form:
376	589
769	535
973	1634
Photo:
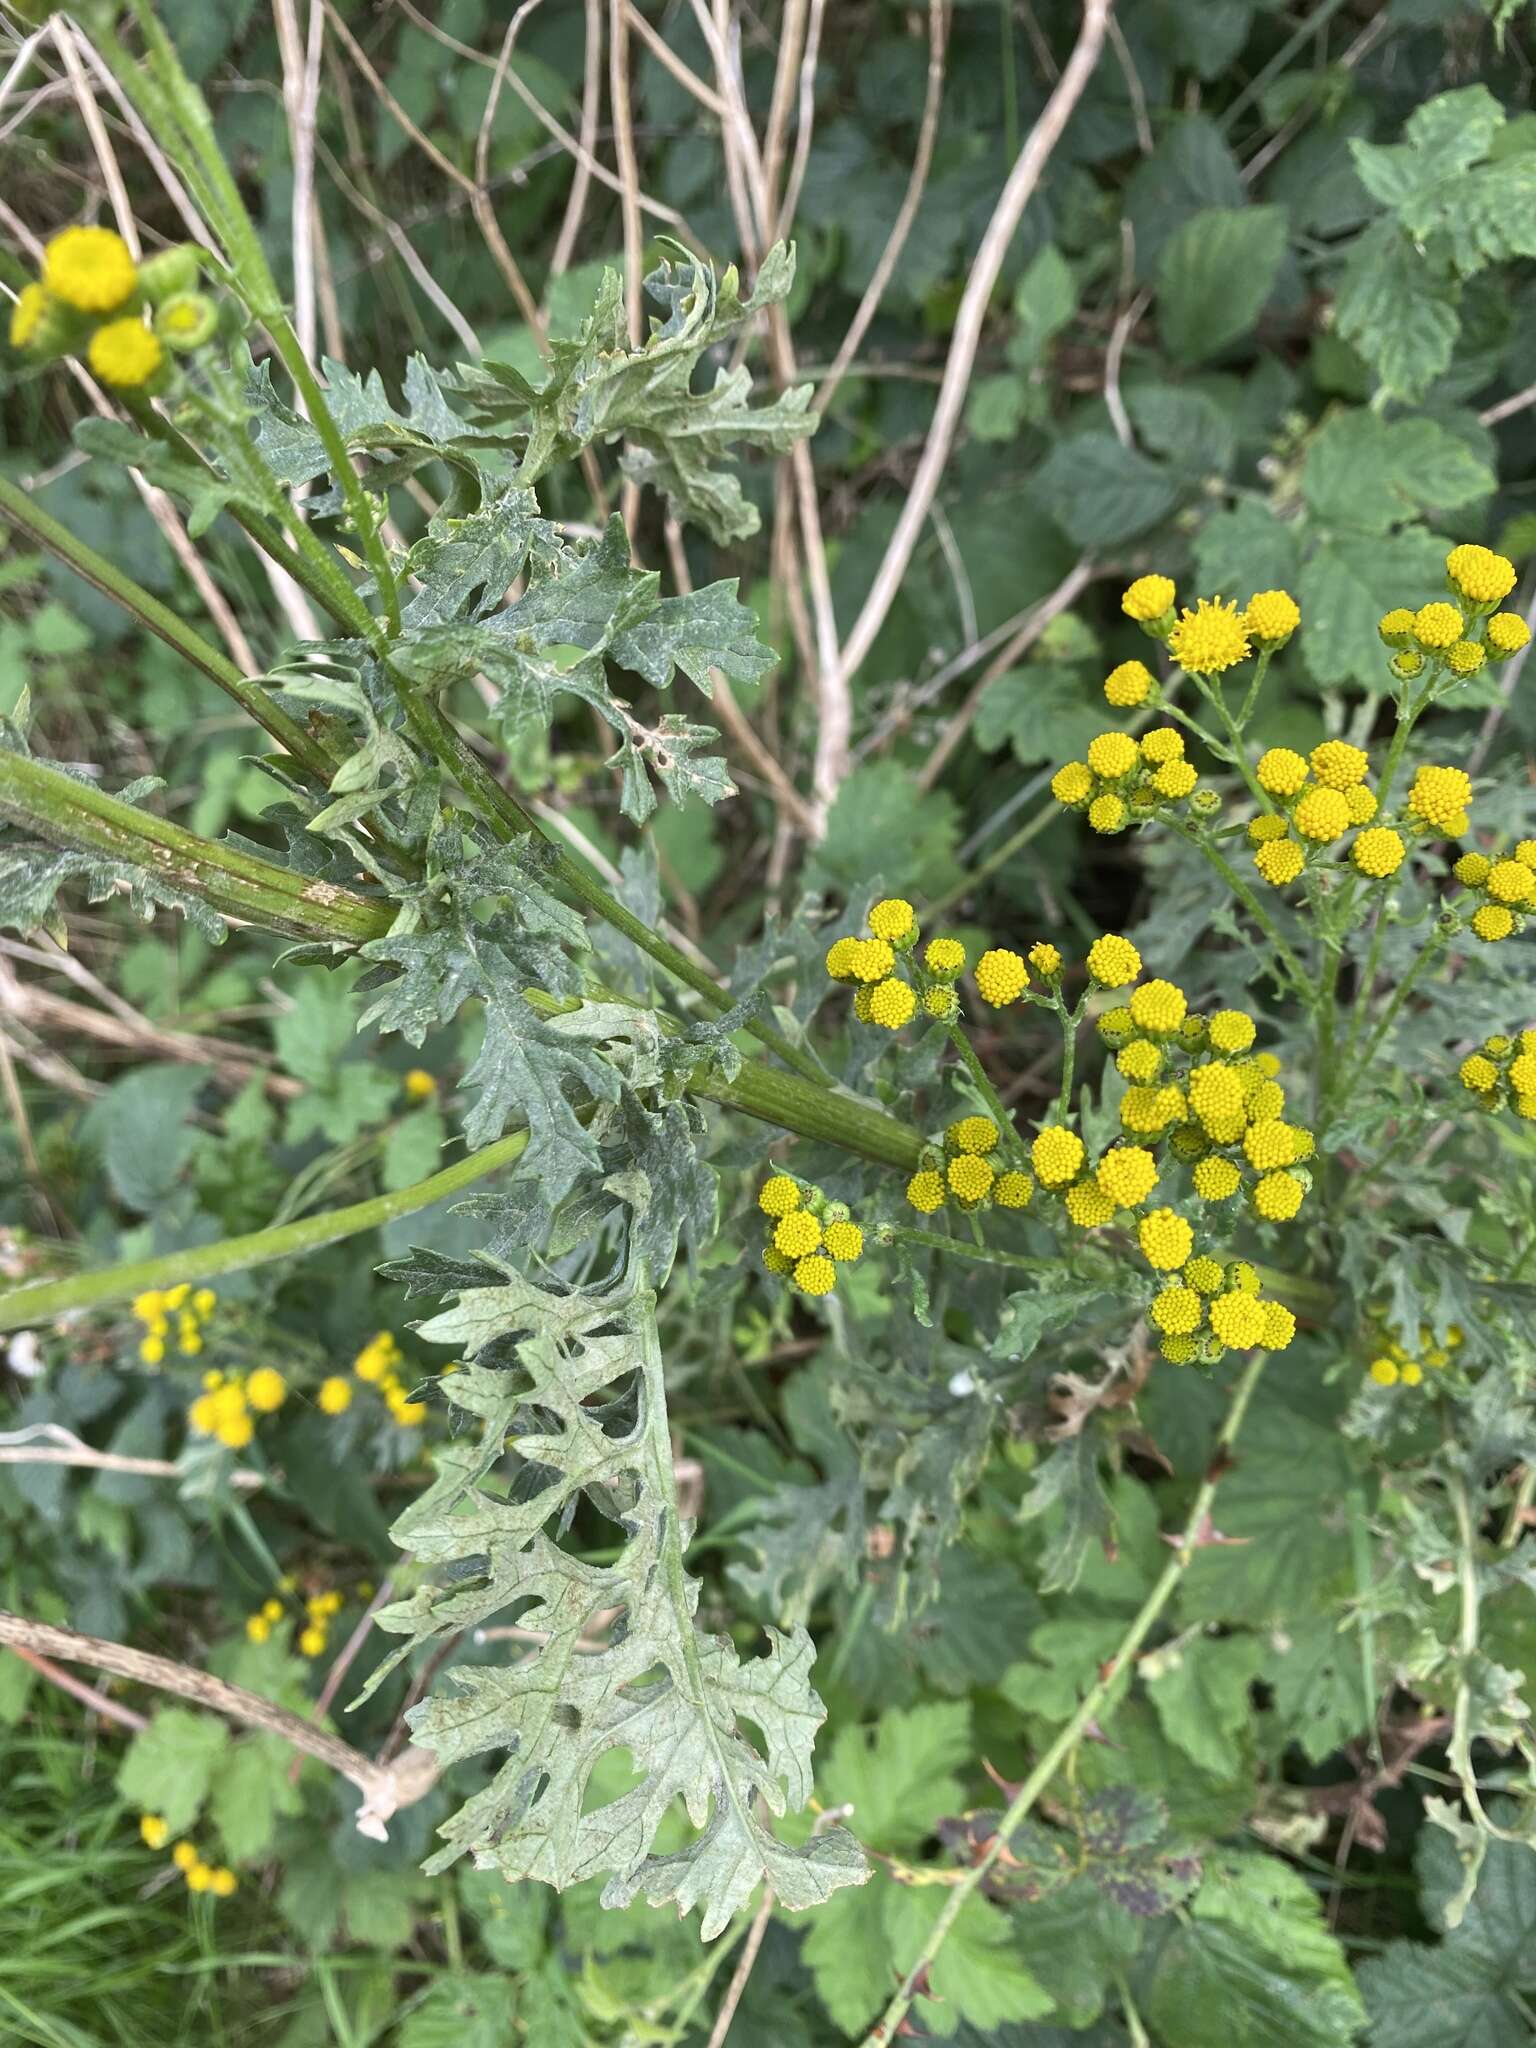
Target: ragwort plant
1188	1189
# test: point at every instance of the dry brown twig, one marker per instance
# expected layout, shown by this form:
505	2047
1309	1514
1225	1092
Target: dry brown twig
19	1447
581	180
385	1788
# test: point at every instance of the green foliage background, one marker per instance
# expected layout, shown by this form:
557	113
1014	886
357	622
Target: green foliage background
1266	322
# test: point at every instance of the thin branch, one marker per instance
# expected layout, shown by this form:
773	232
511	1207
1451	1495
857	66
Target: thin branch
686	77
1133	86
426	283
1120	334
901	227
385	1788
301	100
1506	408
66	1681
1016	194
101	142
740	1976
791	43
591	100
18	1447
805	123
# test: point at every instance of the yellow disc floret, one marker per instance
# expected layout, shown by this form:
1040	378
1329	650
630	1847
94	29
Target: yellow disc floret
925	1192
1112	755
1175	779
1277	1197
972	1134
1272	616
125	354
1440	797
1510	881
1492	922
1149	598
1231	1031
1057	1156
1361	804
1473	869
1437	626
1281	770
872	961
1046	958
970	1179
779	1195
1126	1175
1479	574
1140	1061
796	1234
1113	962
1128	685
1337	765
891	919
1158	1008
1088	1206
1478	1073
1072	784
1001	977
91	269
1209	639
1216	1180
891	1004
1465	657
1279	1326
1216	1097
1166	1240
842	955
1238	1320
1270	1143
843	1242
1012	1190
815	1275
1378	852
1164	743
1279	861
1506	633
1108	813
1177	1311
945	957
1206	1275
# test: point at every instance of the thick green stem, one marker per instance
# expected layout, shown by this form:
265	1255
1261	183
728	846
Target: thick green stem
73	814
979	1254
1261	917
884	2032
983	1084
30	519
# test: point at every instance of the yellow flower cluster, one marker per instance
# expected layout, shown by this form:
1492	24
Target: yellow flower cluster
92	298
155	1308
225	1407
809	1237
1321	797
1124	779
1506	890
375	1365
320	1609
1210	1307
1502	1074
969	1170
259	1626
419	1085
882	996
1212	638
197	1875
1451	638
1438	801
1394	1366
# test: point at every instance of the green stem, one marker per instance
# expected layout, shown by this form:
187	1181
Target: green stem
979	1254
1065	1743
1261	669
1236	752
50	1298
984	1088
73	814
1069	1023
1432	945
1301	981
29	518
999	859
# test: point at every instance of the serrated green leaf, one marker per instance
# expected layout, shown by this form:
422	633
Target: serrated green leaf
462	2010
1398	307
169	1766
1345	587
1370	474
249	1792
680	1702
1214	276
1099	492
898	1774
1421	175
1201	1691
978	1976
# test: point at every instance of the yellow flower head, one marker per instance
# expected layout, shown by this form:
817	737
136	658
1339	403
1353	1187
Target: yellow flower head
1279	862
1507	633
843	1242
1166	1240
1272	616
1113	962
1279	1326
1216	1180
1238	1320
891	919
871	960
945	957
796	1234
1112	755
266	1389
1384	1372
1465	658
1231	1031
777	1261
1277	1196
1177	1310
1012	1190
1321	815
1046	958
1072	784
1128	685
970	1179
942	1003
257	1627
1361	804
1088	1206
184	1855
891	1004
815	1275
1164	743
152	1831
1396	626
972	1134
1001	977
841	955
222	1882
1378	852
236	1432
1216	1097
778	1195
1473	869
1057	1156
27	317
1437	626
1479	574
1510	881
1126	1175
419	1085
1266	826
1140	1061
334	1396
1149	598
1158	1008
1439	797
90	269
1270	1143
1108	813
125	354
199	1877
1175	779
312	1641
1178	1350
1492	922
925	1192
1148	1111
1281	770
1478	1073
1209	639
1338	765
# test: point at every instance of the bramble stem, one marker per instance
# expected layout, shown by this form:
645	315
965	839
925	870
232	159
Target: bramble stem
1064	1745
